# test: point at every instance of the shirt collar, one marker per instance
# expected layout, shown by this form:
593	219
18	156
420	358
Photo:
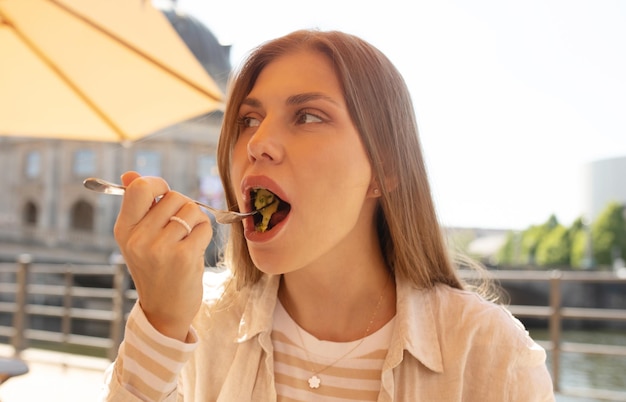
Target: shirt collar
416	326
259	309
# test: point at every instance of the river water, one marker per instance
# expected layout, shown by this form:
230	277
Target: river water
589	371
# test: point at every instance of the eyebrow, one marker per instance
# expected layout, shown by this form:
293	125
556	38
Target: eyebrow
300	99
294	100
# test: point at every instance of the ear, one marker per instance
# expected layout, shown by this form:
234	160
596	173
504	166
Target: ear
374	190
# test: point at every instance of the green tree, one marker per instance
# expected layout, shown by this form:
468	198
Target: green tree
608	234
577	226
508	254
580	240
532	237
581	245
554	248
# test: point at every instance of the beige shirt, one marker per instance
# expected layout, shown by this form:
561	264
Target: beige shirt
448	345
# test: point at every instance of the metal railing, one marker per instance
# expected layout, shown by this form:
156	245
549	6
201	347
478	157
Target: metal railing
57	281
555	313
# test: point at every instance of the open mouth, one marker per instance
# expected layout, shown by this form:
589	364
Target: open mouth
272	210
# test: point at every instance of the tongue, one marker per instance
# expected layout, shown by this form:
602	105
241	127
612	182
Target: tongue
278	216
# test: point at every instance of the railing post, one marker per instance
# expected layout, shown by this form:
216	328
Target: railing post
19	317
121	280
555	326
66	320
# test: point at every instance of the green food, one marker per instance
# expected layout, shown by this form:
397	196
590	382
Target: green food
266	203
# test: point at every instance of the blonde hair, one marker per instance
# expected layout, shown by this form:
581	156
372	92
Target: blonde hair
382	111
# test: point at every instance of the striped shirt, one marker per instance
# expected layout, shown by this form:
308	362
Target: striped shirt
355	377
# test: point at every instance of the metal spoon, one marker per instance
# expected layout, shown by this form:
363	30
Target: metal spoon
221	216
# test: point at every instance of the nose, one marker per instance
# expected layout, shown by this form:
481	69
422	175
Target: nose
265	144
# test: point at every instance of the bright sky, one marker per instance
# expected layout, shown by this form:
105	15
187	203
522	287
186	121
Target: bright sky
513	99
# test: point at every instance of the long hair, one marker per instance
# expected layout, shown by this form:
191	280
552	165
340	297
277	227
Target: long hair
381	109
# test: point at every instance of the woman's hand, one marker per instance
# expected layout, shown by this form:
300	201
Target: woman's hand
165	262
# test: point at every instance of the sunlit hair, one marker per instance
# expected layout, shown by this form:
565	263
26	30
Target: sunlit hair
381	109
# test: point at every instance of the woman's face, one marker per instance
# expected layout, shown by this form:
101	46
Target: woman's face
297	141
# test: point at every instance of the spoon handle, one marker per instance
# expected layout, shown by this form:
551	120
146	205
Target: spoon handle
105	187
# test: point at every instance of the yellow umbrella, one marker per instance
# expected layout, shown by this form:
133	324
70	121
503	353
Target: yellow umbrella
103	70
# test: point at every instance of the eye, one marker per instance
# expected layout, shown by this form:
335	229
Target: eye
306	117
247	121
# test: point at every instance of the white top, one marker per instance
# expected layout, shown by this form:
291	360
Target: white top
342	371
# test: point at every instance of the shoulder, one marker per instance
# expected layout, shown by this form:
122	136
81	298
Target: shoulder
466	317
462	319
470	309
462	335
492	341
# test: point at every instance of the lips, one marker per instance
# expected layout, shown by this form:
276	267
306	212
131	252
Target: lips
272	209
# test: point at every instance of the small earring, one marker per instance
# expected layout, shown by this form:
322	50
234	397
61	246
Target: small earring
376	191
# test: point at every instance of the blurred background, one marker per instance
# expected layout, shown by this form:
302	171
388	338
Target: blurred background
521	114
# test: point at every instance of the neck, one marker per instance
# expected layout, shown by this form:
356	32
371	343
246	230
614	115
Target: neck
335	297
339	305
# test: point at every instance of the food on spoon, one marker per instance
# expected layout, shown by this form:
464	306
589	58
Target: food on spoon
267	204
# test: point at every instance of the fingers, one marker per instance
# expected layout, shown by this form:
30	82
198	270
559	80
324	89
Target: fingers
184	222
128	177
140	213
140	195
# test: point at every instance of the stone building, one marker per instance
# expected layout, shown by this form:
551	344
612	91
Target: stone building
46	211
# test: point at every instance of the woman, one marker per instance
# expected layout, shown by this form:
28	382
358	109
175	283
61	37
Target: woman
341	288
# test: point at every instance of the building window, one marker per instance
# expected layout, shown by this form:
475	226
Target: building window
30	214
209	184
82	216
33	165
84	162
148	163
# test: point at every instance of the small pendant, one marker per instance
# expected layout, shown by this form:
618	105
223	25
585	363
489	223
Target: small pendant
314	382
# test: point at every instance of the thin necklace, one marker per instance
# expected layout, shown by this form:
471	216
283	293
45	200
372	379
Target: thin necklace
314	381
